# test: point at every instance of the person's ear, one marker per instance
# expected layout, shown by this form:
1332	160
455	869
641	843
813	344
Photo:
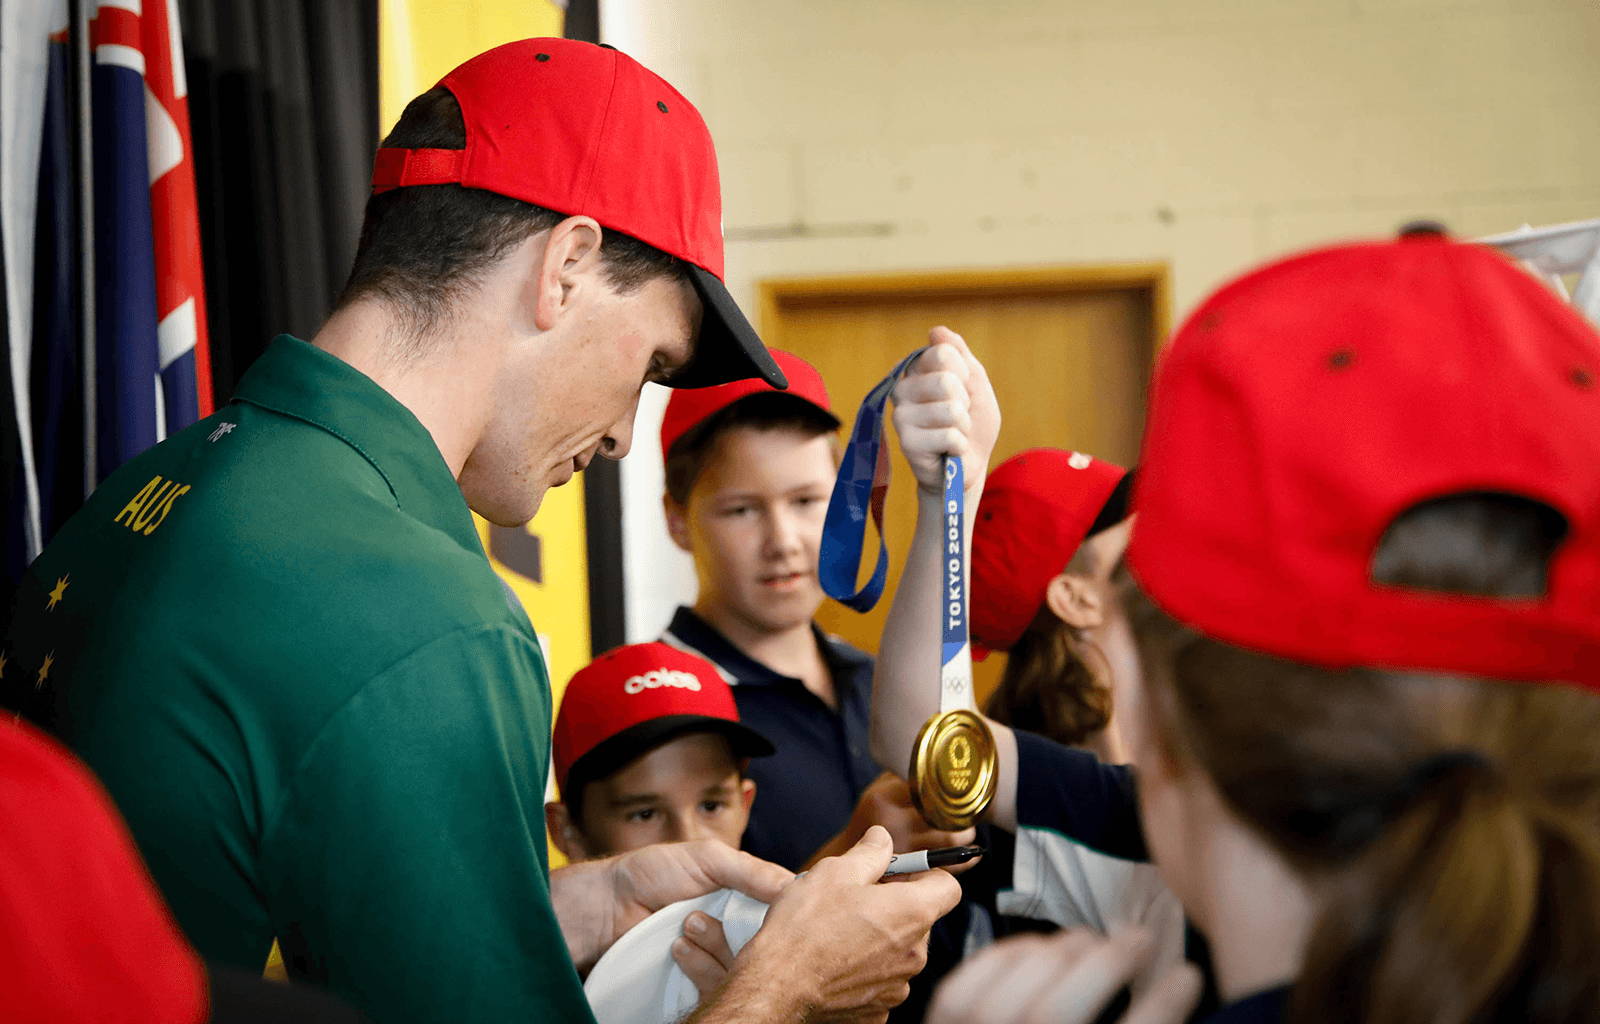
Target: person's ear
571	253
564	832
1076	601
747	789
677	523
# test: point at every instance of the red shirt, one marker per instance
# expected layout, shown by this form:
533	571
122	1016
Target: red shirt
84	936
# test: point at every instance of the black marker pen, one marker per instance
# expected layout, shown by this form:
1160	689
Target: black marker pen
922	860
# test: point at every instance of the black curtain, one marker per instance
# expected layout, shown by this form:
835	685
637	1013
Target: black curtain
583	20
283	104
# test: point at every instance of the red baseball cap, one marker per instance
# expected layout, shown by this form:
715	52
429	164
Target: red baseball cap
635	698
1038	506
583	129
85	935
1305	406
688	408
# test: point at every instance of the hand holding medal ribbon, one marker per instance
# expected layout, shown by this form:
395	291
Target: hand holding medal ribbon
953	769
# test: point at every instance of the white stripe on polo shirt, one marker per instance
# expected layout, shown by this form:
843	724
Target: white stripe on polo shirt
1055	879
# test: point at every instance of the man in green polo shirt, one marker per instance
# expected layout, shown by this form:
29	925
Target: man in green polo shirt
278	641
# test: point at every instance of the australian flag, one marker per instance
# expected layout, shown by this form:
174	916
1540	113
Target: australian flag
146	346
152	374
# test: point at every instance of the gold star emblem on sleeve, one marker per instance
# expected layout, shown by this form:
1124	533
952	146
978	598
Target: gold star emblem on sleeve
44	670
57	594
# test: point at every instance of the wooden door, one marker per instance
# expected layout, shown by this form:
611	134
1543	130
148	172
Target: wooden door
1069	351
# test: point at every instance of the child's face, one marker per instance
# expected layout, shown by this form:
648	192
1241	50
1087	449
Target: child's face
755	524
688	788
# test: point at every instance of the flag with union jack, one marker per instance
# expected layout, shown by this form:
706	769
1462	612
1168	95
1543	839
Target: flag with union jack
152	372
89	396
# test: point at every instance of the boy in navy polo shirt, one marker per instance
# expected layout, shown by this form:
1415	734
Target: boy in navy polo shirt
648	748
749	470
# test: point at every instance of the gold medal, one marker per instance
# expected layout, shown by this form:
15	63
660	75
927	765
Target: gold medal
954	766
953	769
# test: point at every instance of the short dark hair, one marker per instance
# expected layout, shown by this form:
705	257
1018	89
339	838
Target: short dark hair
1478	543
587	771
761	411
423	245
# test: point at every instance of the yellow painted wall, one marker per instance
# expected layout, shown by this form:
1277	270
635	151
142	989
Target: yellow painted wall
419	42
560	607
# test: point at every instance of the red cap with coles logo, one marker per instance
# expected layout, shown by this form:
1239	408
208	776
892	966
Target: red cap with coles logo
1307	405
635	698
686	409
583	129
1038	506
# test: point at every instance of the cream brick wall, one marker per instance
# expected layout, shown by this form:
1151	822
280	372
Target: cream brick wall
1212	133
902	134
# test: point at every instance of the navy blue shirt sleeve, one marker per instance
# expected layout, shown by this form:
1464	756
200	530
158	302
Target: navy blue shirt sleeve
1074	793
1269	1007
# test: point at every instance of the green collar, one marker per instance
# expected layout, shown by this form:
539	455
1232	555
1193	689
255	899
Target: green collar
299	380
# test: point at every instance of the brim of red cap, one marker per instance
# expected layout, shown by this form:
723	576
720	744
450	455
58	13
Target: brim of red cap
729	348
614	752
1118	503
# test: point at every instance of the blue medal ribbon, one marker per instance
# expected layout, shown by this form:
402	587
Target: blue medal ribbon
859	492
956	656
